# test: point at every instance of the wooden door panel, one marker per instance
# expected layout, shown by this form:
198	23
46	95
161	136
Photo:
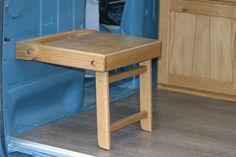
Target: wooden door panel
201	46
201	56
182	43
221	49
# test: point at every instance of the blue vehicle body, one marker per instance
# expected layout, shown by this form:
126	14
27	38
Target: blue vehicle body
34	94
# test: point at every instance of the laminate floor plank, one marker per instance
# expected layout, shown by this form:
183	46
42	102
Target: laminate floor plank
184	126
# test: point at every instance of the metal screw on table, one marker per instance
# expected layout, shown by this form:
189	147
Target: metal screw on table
29	51
93	63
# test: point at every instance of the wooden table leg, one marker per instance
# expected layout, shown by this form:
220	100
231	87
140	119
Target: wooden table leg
103	110
146	96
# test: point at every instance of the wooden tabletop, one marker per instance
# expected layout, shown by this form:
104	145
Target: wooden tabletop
87	49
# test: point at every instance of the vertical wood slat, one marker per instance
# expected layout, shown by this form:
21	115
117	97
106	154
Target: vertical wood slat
234	56
182	43
201	56
146	95
103	110
164	33
221	58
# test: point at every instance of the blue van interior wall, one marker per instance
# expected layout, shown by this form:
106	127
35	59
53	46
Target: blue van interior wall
35	93
2	135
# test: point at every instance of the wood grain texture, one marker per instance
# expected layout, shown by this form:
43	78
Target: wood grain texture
62	36
164	33
133	55
126	74
146	96
204	7
118	51
184	126
182	43
128	121
103	110
200	46
234	56
60	56
194	91
201	52
201	84
74	49
222	45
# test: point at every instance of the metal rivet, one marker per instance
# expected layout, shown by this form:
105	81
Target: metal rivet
29	51
93	63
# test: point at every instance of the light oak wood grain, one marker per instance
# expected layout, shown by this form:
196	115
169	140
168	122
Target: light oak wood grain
128	73
222	45
146	96
204	7
60	56
201	84
164	33
61	36
201	51
128	121
182	43
198	50
79	49
103	110
191	91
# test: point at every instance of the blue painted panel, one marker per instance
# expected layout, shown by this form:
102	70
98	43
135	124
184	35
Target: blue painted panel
48	21
37	93
140	19
66	15
2	134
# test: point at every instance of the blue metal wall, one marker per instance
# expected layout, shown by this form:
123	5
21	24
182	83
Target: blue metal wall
2	136
140	19
37	93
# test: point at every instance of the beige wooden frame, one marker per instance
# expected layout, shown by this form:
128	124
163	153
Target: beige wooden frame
104	128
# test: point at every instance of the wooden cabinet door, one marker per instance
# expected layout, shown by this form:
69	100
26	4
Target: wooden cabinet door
198	47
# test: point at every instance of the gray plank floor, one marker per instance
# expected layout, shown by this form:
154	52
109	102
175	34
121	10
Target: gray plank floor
184	126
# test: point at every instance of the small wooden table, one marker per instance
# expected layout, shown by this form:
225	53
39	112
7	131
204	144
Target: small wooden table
101	52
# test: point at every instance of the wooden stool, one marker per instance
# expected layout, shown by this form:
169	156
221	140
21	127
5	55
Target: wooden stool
101	52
